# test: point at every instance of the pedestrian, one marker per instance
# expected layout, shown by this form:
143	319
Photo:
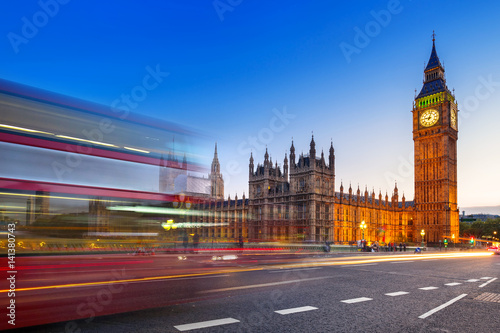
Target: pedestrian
400	247
196	241
404	246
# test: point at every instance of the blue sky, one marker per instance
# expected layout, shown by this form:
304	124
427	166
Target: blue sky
233	66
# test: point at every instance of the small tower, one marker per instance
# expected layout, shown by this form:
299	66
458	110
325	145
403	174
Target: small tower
312	151
292	155
216	180
251	166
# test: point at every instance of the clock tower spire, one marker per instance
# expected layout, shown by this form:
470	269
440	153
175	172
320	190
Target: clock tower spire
435	134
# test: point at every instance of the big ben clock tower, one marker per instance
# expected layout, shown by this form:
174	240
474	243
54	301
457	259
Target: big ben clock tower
435	134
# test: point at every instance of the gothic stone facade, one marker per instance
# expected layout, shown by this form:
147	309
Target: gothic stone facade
299	202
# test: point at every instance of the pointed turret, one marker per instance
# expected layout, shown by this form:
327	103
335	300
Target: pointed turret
215	162
292	155
434	79
312	151
216	180
331	158
251	166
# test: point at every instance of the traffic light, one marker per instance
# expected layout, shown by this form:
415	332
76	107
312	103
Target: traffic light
472	240
445	242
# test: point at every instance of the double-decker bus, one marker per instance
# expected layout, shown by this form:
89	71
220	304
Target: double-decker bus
78	174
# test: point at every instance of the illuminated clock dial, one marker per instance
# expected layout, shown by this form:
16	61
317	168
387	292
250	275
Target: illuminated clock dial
429	117
453	118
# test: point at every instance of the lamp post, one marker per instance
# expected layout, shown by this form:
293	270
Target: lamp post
453	237
363	242
363	227
422	233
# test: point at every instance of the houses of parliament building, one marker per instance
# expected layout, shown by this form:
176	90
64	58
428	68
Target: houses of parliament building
298	202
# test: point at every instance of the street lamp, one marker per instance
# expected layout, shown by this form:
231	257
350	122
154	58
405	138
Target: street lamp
363	227
453	237
363	242
422	233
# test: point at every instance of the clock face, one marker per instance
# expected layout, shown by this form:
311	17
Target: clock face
453	118
429	118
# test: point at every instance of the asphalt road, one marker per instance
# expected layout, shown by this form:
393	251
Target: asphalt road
262	293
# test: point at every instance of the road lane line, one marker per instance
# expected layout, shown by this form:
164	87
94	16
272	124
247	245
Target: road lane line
401	262
357	300
472	280
358	265
397	293
484	284
295	310
203	324
264	285
294	270
452	284
487	277
442	306
428	288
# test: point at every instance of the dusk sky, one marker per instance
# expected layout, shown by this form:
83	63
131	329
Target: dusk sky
250	74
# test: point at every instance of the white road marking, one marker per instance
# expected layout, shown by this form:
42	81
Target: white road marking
397	293
203	324
295	310
400	262
428	288
358	265
264	285
293	270
452	284
427	314
487	277
487	282
357	300
472	280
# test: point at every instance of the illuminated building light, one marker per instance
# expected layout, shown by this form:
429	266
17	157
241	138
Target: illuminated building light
84	140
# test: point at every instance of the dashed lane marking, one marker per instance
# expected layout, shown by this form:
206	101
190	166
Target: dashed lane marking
295	310
203	324
472	280
400	262
487	277
452	284
357	300
294	270
427	314
484	284
397	293
428	288
358	265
